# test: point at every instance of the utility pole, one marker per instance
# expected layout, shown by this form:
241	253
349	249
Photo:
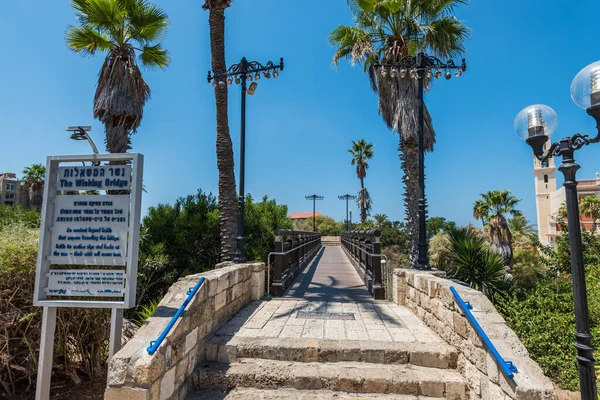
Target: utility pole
314	198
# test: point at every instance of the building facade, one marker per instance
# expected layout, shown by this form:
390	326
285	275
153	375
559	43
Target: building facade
549	200
12	191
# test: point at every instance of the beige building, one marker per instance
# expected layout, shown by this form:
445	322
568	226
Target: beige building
549	199
12	191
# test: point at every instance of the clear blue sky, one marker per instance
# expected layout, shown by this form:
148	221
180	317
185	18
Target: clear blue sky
300	125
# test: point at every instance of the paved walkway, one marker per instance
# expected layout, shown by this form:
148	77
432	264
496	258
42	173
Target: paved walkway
330	278
380	321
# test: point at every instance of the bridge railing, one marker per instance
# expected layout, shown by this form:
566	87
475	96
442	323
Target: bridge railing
293	250
364	247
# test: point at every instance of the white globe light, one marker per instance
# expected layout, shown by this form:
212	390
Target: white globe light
536	120
585	88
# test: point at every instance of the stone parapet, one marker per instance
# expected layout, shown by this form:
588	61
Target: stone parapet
429	297
166	375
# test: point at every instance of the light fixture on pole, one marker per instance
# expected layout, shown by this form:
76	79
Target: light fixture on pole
536	124
81	133
314	198
347	197
242	73
420	67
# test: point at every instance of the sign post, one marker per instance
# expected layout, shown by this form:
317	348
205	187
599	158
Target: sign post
88	247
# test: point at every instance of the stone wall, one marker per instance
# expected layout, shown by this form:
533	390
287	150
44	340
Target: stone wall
166	375
428	295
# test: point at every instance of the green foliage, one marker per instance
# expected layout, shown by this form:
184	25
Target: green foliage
188	232
394	234
436	225
260	220
527	268
16	215
474	263
105	25
145	312
440	251
324	225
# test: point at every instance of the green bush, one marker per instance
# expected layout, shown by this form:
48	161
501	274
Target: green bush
324	225
440	251
260	220
474	263
16	215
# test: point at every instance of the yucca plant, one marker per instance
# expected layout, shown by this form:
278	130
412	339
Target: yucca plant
474	263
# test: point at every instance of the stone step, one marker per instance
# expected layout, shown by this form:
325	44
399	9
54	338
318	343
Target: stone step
227	349
353	377
294	394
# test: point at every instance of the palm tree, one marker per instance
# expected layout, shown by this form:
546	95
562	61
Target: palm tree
480	211
519	224
33	178
591	205
380	219
498	203
124	29
361	153
228	203
385	31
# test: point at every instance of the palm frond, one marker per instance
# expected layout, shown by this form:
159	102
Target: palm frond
102	14
87	40
445	37
155	56
352	43
148	21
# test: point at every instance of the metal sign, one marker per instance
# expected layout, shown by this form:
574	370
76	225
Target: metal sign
90	222
84	230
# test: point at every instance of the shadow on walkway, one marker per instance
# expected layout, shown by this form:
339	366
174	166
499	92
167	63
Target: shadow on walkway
331	277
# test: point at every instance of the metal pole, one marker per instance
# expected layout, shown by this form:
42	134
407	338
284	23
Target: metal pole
44	373
423	260
583	338
347	213
314	208
239	256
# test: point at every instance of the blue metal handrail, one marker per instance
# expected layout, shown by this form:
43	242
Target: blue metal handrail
506	366
155	344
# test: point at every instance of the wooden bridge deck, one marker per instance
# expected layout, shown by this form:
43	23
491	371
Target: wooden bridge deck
331	277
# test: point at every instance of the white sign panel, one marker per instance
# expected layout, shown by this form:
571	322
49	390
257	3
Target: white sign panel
101	177
90	230
104	283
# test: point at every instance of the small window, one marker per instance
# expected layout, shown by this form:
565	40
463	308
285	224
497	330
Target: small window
545	178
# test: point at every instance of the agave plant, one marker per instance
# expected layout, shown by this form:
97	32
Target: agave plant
472	262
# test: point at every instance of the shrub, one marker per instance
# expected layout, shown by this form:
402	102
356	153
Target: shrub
527	268
440	251
474	263
260	220
324	225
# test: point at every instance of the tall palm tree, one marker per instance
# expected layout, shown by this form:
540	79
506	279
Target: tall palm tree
480	211
385	31
519	224
591	205
33	178
380	219
129	31
361	154
228	203
498	203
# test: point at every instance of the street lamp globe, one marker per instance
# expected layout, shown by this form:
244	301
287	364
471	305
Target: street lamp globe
536	122
585	88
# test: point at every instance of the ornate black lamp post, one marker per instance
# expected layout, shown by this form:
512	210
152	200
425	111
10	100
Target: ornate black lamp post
421	67
314	198
536	124
245	71
347	197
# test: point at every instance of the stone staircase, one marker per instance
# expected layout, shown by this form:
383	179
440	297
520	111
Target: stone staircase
287	368
330	240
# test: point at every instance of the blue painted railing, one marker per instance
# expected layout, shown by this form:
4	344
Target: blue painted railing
155	344
507	367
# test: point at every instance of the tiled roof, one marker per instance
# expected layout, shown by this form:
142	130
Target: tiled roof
304	215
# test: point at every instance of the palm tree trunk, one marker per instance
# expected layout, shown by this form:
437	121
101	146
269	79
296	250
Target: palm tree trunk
228	207
409	157
363	211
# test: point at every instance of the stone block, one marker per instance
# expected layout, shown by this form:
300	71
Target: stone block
236	291
307	378
129	393
220	300
376	380
492	368
181	372
431	389
455	390
117	371
167	384
222	282
191	340
147	368
350	380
